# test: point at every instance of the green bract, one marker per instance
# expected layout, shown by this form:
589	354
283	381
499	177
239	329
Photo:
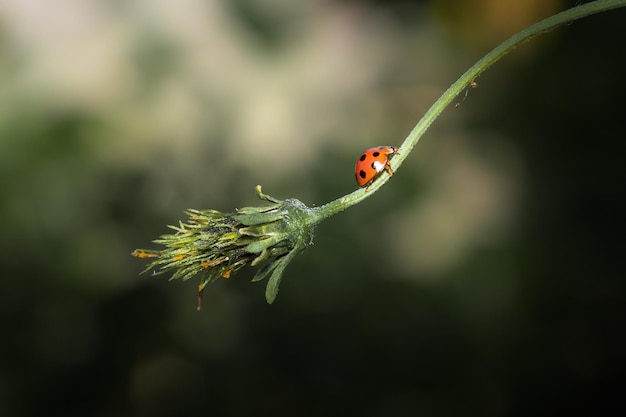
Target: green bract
214	245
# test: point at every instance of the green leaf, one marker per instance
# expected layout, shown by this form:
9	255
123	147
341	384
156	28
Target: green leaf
271	291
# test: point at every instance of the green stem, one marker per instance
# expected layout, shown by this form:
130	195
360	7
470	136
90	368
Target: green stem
457	88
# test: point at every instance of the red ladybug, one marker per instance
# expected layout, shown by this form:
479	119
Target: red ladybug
372	163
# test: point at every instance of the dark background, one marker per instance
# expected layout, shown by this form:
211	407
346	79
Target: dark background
485	279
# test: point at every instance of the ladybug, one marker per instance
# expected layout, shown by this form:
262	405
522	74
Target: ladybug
372	162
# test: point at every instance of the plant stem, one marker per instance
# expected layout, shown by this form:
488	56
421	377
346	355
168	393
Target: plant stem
340	204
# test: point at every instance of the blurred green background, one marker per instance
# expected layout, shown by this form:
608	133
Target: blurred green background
485	279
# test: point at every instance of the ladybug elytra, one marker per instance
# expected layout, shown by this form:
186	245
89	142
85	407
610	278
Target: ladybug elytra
372	163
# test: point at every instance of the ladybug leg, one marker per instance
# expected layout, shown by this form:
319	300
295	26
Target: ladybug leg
389	170
388	165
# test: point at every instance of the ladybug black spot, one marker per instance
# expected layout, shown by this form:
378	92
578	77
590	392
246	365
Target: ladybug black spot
362	174
362	158
376	154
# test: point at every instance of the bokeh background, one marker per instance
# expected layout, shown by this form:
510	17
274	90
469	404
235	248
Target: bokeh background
485	279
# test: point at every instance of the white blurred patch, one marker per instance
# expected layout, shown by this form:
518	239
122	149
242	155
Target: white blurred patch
471	201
